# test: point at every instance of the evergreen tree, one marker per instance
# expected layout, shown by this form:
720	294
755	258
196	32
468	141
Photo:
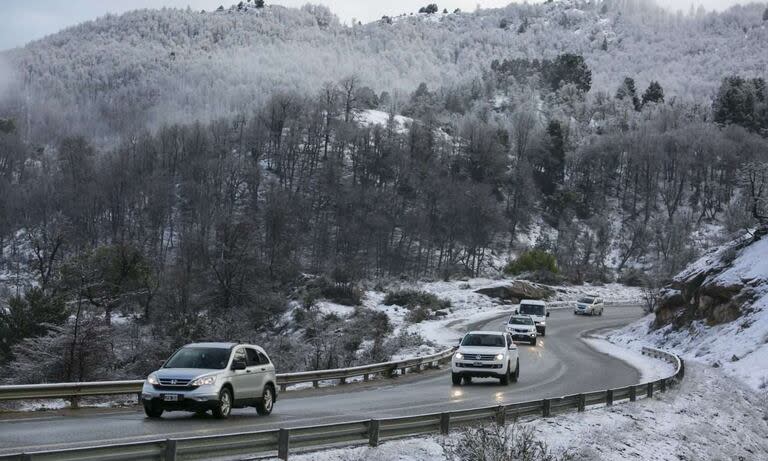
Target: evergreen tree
568	68
628	90
654	93
604	46
259	3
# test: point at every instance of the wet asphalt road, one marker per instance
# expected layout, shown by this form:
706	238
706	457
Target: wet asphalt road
561	364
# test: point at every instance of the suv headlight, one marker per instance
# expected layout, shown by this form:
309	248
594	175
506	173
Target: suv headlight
499	356
458	356
204	381
152	379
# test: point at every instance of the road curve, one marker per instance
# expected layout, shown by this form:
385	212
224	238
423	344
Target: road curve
561	364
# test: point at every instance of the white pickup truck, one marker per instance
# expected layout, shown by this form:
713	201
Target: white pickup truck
486	354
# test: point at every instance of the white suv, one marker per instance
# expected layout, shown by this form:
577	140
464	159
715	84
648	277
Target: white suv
485	354
212	376
522	328
591	305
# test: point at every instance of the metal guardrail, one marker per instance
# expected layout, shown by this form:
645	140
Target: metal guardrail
74	391
372	432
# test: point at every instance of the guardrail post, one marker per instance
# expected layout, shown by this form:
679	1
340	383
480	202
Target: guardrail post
391	372
343	380
283	443
373	432
402	371
170	450
25	457
609	397
633	394
501	415
582	403
283	387
74	402
445	423
649	390
547	408
366	377
315	384
681	374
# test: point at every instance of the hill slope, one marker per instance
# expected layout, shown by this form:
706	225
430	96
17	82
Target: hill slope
119	73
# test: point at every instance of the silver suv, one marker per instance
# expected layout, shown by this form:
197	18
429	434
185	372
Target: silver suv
212	376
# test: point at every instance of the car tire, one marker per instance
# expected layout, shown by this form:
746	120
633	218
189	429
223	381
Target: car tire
601	312
267	403
152	411
534	341
467	379
456	379
544	332
516	374
504	380
224	405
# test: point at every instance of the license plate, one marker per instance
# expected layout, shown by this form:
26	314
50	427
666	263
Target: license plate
171	397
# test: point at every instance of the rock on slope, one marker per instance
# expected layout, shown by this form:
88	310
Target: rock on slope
716	312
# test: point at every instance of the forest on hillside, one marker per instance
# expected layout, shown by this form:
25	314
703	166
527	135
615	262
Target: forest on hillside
113	254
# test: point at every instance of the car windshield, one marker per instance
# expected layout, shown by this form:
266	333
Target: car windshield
586	300
520	321
483	340
209	358
531	309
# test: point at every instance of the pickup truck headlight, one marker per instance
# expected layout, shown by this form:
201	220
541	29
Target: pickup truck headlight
499	356
152	379
458	356
204	381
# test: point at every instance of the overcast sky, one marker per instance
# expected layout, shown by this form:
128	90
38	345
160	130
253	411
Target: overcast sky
25	20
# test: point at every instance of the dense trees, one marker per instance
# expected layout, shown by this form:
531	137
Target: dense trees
743	102
218	227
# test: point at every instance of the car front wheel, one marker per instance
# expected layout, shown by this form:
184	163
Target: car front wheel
224	407
264	407
152	411
456	379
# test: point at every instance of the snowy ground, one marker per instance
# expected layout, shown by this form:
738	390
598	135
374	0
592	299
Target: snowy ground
708	416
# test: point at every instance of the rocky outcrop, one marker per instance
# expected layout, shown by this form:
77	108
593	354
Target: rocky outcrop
719	288
514	291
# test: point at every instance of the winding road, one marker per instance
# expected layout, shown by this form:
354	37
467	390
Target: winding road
561	364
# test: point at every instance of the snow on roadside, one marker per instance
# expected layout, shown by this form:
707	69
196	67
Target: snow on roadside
650	369
707	417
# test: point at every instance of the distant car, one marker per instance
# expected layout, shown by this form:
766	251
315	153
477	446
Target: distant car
538	312
486	354
589	305
522	328
212	376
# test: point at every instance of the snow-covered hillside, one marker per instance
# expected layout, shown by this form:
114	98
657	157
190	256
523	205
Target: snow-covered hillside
716	312
223	62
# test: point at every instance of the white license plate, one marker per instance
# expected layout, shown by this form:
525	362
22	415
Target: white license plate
171	397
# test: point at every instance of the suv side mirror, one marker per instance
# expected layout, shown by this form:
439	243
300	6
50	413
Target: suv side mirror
239	365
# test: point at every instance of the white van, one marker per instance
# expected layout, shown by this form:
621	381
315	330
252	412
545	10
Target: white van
537	310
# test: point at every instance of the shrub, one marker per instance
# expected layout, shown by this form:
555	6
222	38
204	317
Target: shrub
532	261
414	298
497	443
421	305
339	292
